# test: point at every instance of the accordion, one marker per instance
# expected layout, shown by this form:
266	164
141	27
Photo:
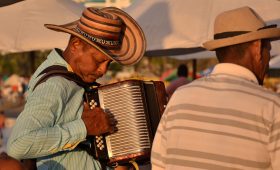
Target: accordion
137	106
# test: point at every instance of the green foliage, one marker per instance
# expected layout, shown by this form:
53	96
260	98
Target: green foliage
21	63
26	63
114	68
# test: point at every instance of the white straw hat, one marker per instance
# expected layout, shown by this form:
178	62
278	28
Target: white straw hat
239	26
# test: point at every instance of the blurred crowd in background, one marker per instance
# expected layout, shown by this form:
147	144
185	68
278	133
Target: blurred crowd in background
13	89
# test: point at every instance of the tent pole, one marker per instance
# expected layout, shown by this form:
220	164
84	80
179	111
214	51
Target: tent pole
194	69
32	61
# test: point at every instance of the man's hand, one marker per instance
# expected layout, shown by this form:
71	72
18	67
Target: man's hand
97	121
122	168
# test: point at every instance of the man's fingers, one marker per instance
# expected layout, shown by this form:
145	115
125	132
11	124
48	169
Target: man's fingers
113	122
112	129
99	121
86	106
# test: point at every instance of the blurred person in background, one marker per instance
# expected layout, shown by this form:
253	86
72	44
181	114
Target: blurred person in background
182	75
9	163
55	119
2	125
226	120
2	119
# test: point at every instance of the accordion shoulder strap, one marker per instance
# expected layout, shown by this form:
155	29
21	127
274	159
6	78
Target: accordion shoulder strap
62	71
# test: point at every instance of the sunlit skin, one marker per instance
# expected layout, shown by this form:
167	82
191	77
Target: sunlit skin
89	63
265	52
260	52
85	60
255	58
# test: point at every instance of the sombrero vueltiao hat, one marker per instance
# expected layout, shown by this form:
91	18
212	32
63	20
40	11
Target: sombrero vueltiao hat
239	26
111	31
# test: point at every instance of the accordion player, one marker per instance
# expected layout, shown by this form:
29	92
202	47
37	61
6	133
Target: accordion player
137	107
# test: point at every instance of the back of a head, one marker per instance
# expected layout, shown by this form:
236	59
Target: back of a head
233	53
182	71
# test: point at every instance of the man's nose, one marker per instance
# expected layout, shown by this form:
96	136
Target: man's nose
103	68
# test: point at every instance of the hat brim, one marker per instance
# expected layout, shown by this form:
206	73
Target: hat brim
269	33
133	44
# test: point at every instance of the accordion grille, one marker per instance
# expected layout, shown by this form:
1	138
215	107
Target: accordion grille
126	105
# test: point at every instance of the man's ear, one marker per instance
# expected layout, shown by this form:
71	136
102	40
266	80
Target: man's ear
75	43
257	49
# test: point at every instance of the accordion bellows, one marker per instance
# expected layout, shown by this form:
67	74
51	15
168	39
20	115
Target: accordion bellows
137	106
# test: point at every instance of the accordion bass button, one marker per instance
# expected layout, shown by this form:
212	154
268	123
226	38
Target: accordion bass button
92	102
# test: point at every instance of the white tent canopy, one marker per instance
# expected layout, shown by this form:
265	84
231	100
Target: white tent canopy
175	27
22	27
275	62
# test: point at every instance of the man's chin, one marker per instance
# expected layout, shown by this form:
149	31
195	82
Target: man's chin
89	80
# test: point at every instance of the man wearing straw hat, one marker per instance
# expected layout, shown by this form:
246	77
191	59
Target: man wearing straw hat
226	120
55	120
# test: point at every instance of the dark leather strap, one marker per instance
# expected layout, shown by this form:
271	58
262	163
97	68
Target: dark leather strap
52	68
62	71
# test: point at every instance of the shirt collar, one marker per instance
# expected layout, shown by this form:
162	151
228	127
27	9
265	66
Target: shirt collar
56	55
235	70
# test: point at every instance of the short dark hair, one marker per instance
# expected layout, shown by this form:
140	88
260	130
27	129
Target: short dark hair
238	50
182	70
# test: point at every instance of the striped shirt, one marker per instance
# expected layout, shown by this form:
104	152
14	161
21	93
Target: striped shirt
223	121
50	126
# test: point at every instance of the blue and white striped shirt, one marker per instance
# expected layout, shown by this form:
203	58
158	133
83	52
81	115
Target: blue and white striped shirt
50	126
